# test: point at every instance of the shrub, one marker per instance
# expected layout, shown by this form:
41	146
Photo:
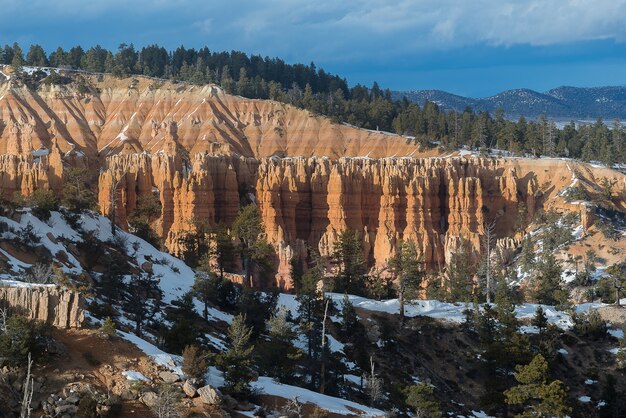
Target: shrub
590	325
194	362
108	329
20	337
87	407
43	202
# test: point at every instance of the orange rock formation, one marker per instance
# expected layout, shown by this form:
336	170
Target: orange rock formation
204	153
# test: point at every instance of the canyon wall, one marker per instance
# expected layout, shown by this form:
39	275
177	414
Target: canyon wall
98	116
204	154
57	307
309	201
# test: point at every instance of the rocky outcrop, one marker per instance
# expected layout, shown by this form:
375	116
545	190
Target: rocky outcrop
204	153
304	202
140	114
23	174
57	307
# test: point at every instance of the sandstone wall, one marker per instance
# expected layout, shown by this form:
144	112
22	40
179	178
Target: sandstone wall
138	114
310	201
57	307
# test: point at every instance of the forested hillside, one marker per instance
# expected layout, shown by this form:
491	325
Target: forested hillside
312	88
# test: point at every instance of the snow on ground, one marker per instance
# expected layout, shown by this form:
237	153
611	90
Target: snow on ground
176	278
617	333
480	414
563	351
160	357
590	382
584	399
449	311
265	385
268	386
133	375
452	312
529	329
216	342
56	228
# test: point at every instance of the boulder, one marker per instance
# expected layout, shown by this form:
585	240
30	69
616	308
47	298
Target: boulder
190	389
169	377
65	409
210	395
149	399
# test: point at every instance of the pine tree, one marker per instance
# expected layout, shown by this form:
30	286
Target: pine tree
141	299
108	328
223	249
421	399
459	272
204	290
18	58
406	267
349	319
36	56
540	320
348	257
535	393
277	356
253	249
236	363
547	286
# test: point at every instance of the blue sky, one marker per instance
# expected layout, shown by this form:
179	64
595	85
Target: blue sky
474	48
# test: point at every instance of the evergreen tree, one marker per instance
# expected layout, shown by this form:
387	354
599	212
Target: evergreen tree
20	336
141	299
36	56
349	319
406	267
183	331
17	61
547	286
253	249
537	396
459	272
236	363
195	363
205	290
540	320
421	399
76	192
277	356
223	249
348	257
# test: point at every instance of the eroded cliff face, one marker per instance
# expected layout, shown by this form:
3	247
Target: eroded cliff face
24	174
437	202
58	307
138	114
204	154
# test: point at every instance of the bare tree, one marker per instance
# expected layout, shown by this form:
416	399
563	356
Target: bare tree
40	273
323	353
27	399
488	243
292	409
168	402
4	316
373	384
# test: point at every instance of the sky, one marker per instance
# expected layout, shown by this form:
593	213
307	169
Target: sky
469	47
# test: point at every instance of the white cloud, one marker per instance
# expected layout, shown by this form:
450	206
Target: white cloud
342	29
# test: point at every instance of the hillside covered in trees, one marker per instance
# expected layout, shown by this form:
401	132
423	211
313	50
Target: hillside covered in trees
312	88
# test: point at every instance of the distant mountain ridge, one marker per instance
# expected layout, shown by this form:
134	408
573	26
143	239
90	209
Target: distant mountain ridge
561	103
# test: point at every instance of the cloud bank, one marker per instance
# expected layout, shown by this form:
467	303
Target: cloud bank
347	36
